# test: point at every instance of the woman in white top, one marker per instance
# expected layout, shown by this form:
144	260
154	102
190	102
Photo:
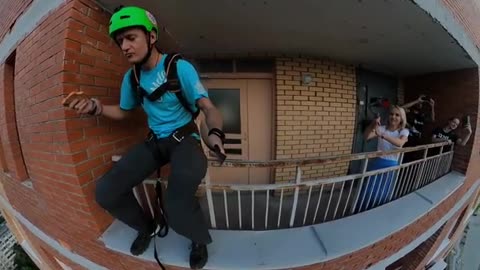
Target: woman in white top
377	189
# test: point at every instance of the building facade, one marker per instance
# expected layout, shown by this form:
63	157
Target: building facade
296	83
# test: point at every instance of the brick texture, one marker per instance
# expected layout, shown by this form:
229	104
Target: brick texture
466	14
441	87
95	65
64	154
58	200
416	256
14	163
453	92
446	233
316	119
9	14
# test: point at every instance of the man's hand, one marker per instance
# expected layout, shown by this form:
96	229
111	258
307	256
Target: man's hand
431	102
214	140
421	98
378	131
82	103
468	128
82	106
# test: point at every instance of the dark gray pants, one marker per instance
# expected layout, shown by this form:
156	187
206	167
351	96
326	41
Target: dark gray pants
188	166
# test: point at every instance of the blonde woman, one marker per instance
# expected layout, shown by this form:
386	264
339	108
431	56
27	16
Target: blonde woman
394	135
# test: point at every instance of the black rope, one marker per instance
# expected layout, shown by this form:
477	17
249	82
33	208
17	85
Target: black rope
160	219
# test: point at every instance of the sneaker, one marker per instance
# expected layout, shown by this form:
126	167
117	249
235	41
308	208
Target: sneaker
141	243
198	256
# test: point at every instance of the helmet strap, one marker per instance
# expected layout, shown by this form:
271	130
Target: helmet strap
149	52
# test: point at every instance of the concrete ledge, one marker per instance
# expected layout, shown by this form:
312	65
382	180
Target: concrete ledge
295	247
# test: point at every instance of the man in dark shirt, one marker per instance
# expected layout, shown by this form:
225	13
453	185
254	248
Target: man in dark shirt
439	134
416	120
416	116
447	133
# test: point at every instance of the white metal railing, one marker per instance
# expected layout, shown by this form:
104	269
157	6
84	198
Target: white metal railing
305	202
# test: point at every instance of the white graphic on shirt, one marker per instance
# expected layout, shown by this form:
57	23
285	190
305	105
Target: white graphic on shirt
161	78
416	122
442	136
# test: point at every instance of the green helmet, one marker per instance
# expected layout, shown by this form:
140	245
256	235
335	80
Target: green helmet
131	16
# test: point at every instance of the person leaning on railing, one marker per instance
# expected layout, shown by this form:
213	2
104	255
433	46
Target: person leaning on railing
449	132
391	136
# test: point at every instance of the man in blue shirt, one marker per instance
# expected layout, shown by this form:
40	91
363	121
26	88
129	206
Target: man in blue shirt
173	139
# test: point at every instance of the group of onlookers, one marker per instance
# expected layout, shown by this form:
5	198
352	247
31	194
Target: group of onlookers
405	127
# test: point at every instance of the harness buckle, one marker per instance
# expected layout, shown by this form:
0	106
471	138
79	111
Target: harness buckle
150	137
174	136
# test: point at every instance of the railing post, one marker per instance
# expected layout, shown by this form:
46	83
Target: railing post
329	201
298	180
397	175
225	203
239	209
450	158
266	208
211	210
149	202
307	205
433	167
438	164
364	170
253	209
419	174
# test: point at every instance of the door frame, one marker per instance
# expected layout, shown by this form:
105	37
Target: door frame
237	75
254	75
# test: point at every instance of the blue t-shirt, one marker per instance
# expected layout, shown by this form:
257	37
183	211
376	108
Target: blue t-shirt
166	114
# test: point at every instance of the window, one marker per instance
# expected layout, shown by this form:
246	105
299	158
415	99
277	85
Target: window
228	102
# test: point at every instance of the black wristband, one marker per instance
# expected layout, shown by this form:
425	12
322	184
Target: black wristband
94	109
218	133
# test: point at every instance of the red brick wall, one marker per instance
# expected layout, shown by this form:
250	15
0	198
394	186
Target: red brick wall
65	154
466	14
26	110
14	163
9	14
417	255
94	64
456	95
430	251
56	202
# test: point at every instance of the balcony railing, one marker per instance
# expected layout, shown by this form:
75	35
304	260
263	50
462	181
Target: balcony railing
303	202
